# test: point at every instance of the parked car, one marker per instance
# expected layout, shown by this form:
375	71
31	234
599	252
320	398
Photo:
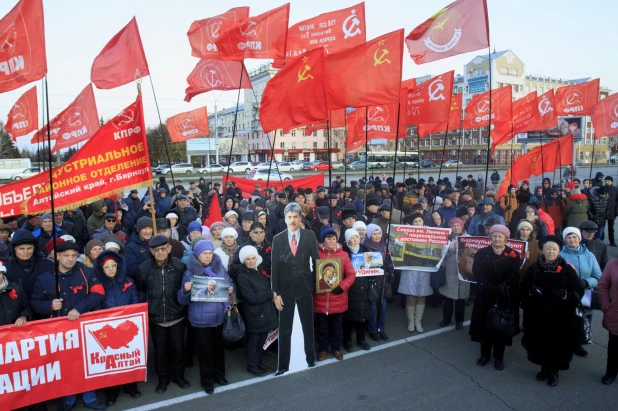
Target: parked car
211	168
356	165
239	167
180	168
262	166
157	170
29	172
427	164
452	163
321	166
307	165
274	175
400	164
285	166
337	165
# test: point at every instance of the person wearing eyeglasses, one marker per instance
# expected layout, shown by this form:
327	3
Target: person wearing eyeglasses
109	222
257	239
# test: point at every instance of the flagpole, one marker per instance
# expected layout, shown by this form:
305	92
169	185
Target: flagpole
459	144
366	146
229	159
542	160
443	149
38	140
418	163
51	192
405	163
512	144
594	143
167	153
345	159
330	168
489	127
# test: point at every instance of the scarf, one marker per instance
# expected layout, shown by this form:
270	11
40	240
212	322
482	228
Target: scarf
547	266
373	246
354	249
4	284
229	251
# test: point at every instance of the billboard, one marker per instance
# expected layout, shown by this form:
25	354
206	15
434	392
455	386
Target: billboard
566	126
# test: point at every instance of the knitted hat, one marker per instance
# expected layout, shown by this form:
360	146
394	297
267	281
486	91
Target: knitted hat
349	233
142	223
229	231
229	213
371	228
526	182
609	178
194	226
461	211
68	237
456	220
202	246
437	201
570	185
91	244
524	223
171	215
248	251
217	224
499	228
326	230
46	216
111	244
571	230
359	224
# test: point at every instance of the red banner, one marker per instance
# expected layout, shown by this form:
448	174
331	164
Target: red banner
578	99
604	116
188	125
334	31
430	101
336	118
481	108
369	123
247	186
53	358
259	37
454	120
24	115
216	75
114	159
204	33
525	113
13	194
22	45
548	117
78	122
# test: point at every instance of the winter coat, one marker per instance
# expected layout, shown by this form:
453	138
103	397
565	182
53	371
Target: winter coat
258	310
329	303
448	213
162	205
119	290
599	249
612	195
359	307
555	209
576	210
409	199
96	219
43	237
417	283
598	207
26	272
495	178
549	320
608	291
549	223
79	289
160	285
454	287
585	264
186	216
517	216
509	204
479	220
204	314
379	280
13	304
135	253
491	271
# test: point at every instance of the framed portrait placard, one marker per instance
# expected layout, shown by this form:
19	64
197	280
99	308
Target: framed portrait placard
328	274
210	289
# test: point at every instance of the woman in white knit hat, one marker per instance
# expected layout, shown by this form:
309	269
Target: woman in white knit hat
526	232
257	309
228	247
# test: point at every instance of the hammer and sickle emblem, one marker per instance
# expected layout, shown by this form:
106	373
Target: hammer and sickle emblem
249	29
347	30
376	114
211	78
103	335
572	99
545	106
382	59
433	91
304	75
483	106
214	29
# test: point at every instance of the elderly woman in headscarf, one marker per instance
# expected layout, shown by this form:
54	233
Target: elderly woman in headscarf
215	233
550	291
455	291
207	317
173	219
228	248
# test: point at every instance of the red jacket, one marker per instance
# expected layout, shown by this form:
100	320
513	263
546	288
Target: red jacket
608	291
329	303
547	219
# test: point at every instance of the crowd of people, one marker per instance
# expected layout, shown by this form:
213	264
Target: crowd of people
124	256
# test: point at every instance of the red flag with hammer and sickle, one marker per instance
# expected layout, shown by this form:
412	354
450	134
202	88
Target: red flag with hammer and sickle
604	116
578	99
212	74
430	101
203	34
24	115
546	106
188	125
454	120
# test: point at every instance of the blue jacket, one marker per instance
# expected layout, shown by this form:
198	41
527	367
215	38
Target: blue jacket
481	219
43	238
162	205
203	314
448	213
585	264
26	272
119	290
135	253
79	289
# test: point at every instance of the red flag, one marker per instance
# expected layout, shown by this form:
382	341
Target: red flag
430	102
479	109
247	186
366	75
546	107
295	95
117	64
460	27
114	159
76	123
525	113
369	123
577	100
214	212
336	118
604	116
24	115
188	125
216	75
409	83
454	120
259	37
335	31
22	45
203	34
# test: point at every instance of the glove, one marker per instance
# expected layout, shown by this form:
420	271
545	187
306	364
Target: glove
338	290
559	293
584	284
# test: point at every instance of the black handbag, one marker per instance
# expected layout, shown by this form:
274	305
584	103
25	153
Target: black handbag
503	320
584	332
233	325
389	268
372	291
438	278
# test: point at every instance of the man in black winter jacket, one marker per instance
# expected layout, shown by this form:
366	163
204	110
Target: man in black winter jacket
186	214
159	279
612	208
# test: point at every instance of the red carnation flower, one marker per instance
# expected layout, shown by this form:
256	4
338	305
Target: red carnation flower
339	214
268	249
513	254
559	269
13	294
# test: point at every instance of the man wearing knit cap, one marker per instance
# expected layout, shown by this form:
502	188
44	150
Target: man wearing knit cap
194	230
612	208
593	244
160	278
247	219
163	228
44	232
293	281
136	251
186	214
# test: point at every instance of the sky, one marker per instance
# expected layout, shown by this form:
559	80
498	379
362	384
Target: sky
549	36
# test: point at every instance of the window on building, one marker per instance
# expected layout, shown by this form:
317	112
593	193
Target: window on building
315	144
336	145
305	144
282	144
478	72
513	72
293	144
325	144
280	133
293	133
503	70
315	134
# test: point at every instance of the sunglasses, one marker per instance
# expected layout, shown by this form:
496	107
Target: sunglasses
111	220
258	232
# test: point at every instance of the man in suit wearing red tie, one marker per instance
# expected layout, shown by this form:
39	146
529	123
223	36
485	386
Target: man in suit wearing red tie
293	281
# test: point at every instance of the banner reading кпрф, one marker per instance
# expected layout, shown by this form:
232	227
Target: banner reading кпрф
418	248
